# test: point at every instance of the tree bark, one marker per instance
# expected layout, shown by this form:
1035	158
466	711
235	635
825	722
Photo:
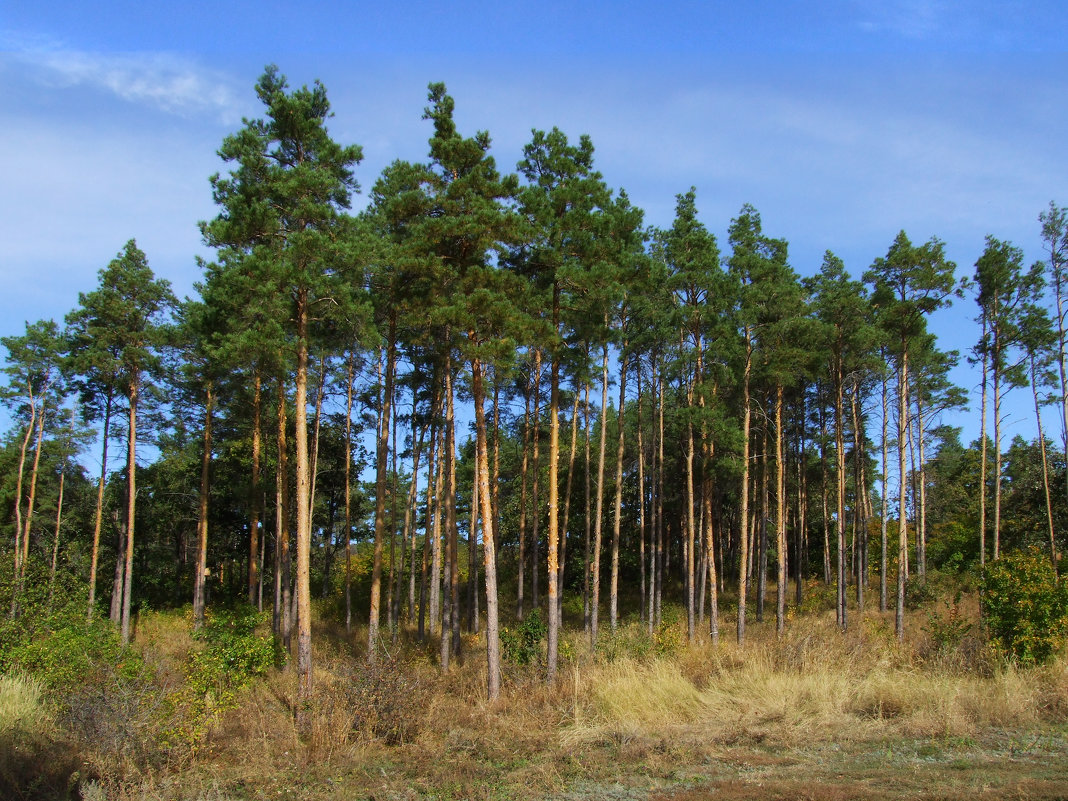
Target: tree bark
381	469
99	516
303	502
595	568
200	574
131	506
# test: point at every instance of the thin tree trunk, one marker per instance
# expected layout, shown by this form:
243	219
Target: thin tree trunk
823	494
436	534
743	584
553	533
493	645
780	516
254	515
902	537
641	498
535	522
861	531
587	556
840	478
885	499
523	484
33	491
131	507
55	540
18	500
99	516
921	528
565	522
982	457
349	380
381	469
595	568
997	460
200	574
617	519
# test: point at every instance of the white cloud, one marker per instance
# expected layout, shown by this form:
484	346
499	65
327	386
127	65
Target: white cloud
167	82
913	19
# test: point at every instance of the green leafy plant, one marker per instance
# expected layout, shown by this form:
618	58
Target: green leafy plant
1025	606
522	645
232	657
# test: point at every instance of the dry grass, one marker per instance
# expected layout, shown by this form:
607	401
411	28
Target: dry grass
403	729
815	684
21	704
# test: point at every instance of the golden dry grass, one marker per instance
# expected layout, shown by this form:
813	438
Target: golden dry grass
405	729
21	703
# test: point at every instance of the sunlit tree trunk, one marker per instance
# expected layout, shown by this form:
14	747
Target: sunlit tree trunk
98	517
200	574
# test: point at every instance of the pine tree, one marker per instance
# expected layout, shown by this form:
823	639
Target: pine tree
116	336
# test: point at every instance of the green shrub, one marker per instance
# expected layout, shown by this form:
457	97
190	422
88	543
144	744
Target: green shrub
1025	606
522	645
231	657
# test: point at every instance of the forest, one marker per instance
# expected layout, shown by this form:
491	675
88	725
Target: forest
493	434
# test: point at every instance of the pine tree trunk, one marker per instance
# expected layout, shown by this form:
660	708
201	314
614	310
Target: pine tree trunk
98	518
566	521
553	533
840	479
282	618
303	503
33	491
452	530
200	574
997	458
921	528
18	500
535	521
982	459
902	537
689	514
861	530
381	476
493	644
595	568
131	508
254	516
641	500
823	494
55	540
587	556
349	380
780	516
524	466
617	520
743	584
436	533
885	499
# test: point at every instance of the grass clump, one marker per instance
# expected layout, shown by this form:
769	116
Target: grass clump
21	703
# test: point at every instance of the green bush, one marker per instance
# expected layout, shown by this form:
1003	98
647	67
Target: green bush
522	645
233	654
1025	606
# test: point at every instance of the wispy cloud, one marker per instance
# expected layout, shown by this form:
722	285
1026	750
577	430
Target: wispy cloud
167	82
913	19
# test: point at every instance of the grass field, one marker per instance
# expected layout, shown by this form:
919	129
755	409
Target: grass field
816	714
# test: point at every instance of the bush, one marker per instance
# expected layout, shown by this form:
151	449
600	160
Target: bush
522	645
232	657
1025	606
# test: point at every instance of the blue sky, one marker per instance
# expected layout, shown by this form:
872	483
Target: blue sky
842	122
